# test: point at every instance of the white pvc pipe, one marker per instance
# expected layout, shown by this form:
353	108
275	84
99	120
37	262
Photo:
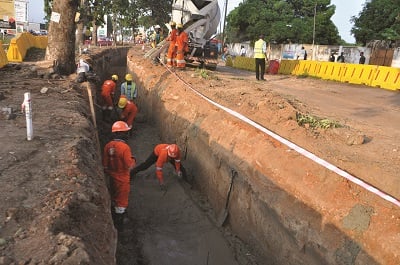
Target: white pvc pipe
28	113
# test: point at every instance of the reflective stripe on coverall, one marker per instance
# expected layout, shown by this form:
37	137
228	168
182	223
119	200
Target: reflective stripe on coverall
171	49
117	162
182	47
107	93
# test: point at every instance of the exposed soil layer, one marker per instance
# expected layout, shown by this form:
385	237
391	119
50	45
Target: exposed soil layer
55	205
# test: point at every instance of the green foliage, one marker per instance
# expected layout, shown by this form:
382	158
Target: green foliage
315	122
378	20
283	21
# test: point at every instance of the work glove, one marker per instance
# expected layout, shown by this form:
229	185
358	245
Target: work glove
179	174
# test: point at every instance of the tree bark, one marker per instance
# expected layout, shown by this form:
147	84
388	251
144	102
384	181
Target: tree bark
61	36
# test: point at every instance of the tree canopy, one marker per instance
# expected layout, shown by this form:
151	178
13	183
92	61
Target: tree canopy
378	20
283	21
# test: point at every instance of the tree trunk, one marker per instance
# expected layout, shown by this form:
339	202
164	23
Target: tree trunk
61	36
79	34
94	33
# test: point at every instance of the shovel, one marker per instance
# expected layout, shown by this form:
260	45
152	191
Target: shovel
224	214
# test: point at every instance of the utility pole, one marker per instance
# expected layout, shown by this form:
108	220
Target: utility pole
223	26
313	35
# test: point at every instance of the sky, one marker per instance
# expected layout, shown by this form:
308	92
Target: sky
345	9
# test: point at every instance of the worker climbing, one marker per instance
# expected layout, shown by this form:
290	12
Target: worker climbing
107	95
128	88
118	161
181	47
163	153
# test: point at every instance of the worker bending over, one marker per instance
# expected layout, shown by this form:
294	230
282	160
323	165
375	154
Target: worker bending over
107	95
162	153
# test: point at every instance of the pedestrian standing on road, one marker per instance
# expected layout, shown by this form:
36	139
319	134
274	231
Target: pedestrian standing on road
107	95
162	153
362	58
128	88
260	52
127	110
118	161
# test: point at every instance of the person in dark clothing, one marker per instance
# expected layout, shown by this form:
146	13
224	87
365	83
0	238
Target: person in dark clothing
362	58
340	58
332	58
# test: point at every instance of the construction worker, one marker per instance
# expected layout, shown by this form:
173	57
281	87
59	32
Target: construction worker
118	161
161	154
127	110
128	88
172	49
181	47
82	68
260	54
107	94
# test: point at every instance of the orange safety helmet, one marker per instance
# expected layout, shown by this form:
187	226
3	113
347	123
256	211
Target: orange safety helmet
120	126
122	102
172	150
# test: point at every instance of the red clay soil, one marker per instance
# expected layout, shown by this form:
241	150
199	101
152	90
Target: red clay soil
52	193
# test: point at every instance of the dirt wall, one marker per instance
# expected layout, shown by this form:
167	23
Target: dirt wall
284	223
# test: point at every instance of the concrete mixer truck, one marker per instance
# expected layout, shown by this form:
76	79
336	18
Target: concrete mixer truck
200	19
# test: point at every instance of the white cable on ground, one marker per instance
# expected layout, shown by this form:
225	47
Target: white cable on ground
295	147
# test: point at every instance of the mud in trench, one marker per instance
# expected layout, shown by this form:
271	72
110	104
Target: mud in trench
174	226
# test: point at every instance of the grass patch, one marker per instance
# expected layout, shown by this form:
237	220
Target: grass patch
316	122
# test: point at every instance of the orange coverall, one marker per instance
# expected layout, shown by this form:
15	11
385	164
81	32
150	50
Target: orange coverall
117	162
182	47
107	93
160	157
129	113
171	49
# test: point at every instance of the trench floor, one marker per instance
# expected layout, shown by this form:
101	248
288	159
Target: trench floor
172	227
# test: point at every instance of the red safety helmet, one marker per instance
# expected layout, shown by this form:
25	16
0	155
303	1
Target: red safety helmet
120	126
172	150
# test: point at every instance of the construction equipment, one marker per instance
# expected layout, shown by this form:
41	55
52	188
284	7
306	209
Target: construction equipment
200	19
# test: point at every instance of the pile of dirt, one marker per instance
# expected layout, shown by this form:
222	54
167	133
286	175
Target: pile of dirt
55	205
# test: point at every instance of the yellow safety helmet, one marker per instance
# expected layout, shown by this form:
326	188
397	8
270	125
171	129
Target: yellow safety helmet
122	102
172	23
179	26
114	77
128	77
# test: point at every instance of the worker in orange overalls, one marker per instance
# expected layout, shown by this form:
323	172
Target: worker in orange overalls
118	161
181	47
127	110
172	49
162	153
107	94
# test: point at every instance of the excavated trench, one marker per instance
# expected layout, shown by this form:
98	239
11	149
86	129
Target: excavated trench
265	223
